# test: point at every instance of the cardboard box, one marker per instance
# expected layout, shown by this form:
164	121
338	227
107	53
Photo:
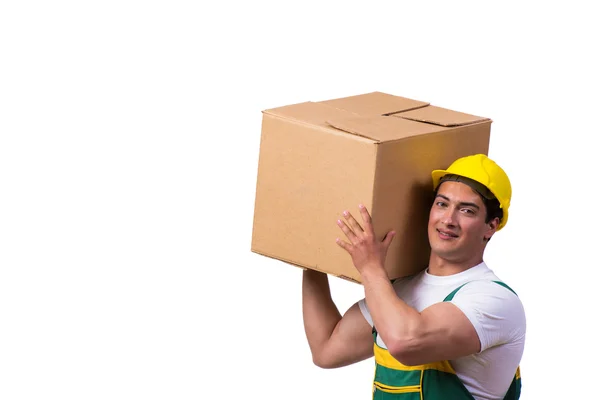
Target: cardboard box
318	159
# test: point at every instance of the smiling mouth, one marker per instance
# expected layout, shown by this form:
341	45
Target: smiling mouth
448	235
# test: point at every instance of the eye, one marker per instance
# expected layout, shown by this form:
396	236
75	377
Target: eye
440	204
468	211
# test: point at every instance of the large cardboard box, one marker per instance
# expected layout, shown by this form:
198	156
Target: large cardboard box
318	159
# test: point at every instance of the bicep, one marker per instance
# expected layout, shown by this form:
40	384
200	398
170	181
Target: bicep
443	333
480	316
448	333
350	342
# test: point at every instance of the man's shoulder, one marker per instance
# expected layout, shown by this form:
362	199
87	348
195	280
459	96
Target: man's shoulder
488	286
490	297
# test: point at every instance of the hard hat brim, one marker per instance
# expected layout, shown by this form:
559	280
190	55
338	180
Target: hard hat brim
437	175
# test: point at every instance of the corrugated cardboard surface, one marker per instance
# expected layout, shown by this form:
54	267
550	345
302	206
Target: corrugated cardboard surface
440	116
294	217
320	158
376	103
382	128
403	191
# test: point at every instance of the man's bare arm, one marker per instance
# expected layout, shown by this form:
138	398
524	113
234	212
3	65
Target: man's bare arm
334	341
440	332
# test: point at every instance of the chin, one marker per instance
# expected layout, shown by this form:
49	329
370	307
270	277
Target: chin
443	250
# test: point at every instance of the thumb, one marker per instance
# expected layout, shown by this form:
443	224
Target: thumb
387	240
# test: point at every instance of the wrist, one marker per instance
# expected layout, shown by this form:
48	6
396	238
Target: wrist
376	272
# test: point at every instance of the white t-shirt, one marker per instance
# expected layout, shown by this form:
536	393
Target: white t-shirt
496	313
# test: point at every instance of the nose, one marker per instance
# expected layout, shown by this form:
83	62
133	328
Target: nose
448	217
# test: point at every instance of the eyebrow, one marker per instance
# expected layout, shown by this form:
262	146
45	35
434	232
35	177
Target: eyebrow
463	203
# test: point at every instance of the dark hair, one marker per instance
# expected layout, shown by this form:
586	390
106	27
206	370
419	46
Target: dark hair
492	209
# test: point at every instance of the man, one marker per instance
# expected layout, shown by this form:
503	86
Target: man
454	330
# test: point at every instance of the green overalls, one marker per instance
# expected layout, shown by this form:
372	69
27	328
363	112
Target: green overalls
435	381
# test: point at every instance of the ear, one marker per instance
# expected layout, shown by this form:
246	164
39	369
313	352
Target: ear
492	227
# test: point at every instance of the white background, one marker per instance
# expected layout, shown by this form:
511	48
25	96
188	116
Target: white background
129	139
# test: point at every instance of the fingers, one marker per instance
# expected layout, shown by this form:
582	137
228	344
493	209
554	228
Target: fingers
347	231
366	217
352	222
387	240
356	226
343	244
354	231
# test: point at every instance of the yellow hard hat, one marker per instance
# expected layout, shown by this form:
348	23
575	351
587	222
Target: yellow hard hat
482	169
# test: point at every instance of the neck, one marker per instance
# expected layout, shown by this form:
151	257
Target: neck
443	267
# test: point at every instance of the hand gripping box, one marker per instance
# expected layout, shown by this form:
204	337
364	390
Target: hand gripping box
318	159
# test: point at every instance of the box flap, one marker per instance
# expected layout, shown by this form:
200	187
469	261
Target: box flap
375	103
309	112
381	128
440	116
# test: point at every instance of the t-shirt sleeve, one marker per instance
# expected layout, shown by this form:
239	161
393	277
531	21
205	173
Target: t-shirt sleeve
362	304
496	313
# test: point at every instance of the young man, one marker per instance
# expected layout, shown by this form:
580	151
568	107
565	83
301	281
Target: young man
453	331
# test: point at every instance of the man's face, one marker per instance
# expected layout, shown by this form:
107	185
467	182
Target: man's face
457	226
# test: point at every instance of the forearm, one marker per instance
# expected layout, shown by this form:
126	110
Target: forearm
396	321
318	310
